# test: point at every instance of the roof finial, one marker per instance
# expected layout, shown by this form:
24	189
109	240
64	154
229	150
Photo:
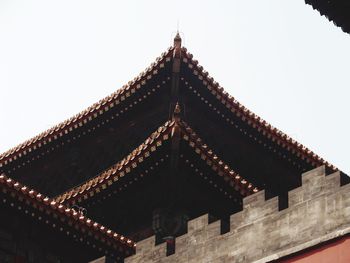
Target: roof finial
177	40
177	112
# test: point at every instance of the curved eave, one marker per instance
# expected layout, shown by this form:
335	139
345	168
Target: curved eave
239	183
48	207
87	115
120	169
263	127
153	143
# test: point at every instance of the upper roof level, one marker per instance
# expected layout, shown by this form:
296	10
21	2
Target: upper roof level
91	141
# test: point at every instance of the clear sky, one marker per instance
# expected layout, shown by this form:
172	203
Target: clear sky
281	59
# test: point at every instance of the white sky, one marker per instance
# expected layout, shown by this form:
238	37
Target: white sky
279	58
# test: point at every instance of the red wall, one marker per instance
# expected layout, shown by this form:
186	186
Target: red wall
334	252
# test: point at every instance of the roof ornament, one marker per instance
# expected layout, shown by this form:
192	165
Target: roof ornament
177	112
177	45
176	131
177	39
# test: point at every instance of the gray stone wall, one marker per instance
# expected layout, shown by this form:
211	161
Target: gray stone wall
318	211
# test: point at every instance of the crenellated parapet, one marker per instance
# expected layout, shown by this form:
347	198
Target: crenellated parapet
318	211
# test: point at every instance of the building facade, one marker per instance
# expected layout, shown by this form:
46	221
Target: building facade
170	168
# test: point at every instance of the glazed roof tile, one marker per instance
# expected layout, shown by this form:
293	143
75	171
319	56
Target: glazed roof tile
220	94
118	170
112	174
251	118
217	164
88	114
70	216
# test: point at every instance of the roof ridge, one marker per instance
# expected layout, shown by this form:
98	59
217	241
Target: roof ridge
84	116
118	170
251	118
50	207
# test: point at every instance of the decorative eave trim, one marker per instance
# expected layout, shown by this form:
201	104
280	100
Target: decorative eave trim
215	163
251	118
120	169
137	156
48	207
88	114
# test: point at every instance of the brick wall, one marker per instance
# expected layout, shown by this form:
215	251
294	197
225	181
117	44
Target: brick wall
318	211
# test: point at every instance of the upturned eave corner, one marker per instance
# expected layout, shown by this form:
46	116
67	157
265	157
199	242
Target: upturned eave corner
174	130
89	114
43	208
256	122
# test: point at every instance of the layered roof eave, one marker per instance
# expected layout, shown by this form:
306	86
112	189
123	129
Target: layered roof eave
138	155
118	170
215	162
87	115
247	116
264	128
68	215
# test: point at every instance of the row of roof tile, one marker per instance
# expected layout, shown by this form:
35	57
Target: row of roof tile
249	117
112	174
121	168
230	102
217	164
88	114
70	216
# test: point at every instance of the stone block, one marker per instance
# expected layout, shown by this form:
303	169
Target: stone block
198	223
254	200
313	175
314	184
332	183
213	229
145	245
295	196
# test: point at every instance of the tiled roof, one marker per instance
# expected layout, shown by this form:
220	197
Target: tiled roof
112	174
217	165
121	168
104	105
45	206
222	96
251	118
88	114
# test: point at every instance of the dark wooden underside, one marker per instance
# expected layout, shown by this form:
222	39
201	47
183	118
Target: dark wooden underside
192	190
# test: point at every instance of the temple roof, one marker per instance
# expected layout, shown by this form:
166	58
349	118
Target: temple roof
84	117
114	101
151	144
253	120
44	206
173	69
